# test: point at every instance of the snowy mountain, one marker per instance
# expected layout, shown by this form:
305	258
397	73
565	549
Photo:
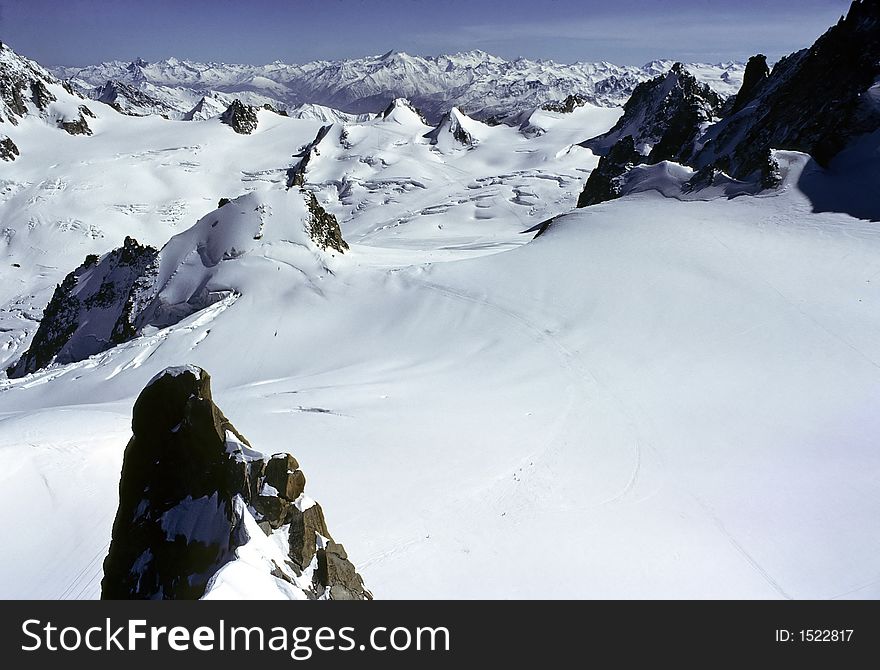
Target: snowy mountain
816	101
482	85
677	386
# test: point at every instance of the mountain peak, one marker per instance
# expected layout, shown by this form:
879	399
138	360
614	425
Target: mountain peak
193	493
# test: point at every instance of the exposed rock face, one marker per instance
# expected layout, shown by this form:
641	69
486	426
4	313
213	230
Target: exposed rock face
24	83
605	182
663	116
193	492
661	121
755	75
452	124
93	309
240	117
79	125
567	106
113	299
8	150
814	101
296	175
323	227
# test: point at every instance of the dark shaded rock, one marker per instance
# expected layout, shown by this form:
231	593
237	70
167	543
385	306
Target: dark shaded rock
567	106
305	527
223	201
664	116
128	99
78	126
661	121
184	495
296	175
8	150
755	75
283	473
815	101
336	572
240	117
451	124
40	95
604	182
93	309
271	108
272	509
323	227
175	465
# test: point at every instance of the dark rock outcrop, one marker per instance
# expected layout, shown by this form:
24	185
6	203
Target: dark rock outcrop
323	227
296	175
8	150
451	124
604	182
190	490
23	82
814	101
79	125
93	309
661	121
567	106
754	77
240	117
664	116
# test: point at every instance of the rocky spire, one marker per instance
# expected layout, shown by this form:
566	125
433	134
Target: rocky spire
755	75
193	493
240	117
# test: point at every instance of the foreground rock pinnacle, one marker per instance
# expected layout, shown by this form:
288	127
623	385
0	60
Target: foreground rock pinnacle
193	493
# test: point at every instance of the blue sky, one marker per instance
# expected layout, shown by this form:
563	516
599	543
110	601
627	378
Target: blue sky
79	32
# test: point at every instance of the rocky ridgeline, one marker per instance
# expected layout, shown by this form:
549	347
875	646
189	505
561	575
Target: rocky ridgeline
296	175
128	99
567	106
93	309
814	101
24	89
193	493
112	299
661	121
323	227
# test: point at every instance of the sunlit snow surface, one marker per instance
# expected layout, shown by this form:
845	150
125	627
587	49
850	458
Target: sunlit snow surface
656	398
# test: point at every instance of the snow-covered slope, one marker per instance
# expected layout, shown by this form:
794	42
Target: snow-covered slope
479	83
658	396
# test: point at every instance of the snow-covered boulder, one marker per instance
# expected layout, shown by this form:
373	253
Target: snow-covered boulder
203	514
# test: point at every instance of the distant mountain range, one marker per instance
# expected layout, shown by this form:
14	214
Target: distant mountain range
482	85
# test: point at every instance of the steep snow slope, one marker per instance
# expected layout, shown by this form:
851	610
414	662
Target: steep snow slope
481	84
